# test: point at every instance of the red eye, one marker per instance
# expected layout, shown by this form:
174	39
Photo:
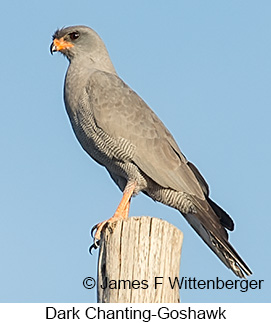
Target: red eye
74	35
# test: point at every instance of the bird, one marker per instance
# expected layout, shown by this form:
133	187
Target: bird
121	132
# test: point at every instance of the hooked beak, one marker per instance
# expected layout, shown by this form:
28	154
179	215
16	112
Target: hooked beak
59	45
53	48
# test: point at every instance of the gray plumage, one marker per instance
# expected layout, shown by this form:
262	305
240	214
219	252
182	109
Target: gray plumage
118	130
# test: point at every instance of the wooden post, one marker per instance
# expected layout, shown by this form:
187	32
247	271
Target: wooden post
132	253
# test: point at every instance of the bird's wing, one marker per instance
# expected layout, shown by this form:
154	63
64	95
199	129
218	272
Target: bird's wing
121	113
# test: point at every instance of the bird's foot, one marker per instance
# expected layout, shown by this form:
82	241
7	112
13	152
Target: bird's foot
99	228
121	213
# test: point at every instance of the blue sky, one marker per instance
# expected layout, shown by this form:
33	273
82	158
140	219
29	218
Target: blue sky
203	66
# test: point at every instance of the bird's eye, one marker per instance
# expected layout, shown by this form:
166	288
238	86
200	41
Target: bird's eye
74	35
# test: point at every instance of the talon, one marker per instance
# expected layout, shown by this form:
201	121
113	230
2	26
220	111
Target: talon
95	245
90	248
93	229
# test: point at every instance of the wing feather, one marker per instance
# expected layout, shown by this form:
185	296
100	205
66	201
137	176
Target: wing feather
121	113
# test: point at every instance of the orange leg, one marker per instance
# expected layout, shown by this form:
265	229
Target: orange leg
121	213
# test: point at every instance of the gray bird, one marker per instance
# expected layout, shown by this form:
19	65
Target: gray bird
119	131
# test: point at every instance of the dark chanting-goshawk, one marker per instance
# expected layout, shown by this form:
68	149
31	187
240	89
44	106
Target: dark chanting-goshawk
119	131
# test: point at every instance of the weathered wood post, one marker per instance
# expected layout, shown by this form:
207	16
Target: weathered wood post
132	253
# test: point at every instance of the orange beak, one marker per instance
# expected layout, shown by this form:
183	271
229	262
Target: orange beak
59	45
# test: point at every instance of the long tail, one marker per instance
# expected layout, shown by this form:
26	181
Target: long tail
210	224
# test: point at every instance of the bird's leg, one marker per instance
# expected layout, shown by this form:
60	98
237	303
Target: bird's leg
121	213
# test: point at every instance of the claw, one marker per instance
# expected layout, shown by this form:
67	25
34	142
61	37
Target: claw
95	245
93	229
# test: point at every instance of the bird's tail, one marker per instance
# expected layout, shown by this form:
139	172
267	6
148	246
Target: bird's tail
216	237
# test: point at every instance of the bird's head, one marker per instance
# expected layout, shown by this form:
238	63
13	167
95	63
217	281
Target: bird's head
73	40
83	43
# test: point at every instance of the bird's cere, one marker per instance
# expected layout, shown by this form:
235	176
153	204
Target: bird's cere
59	45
